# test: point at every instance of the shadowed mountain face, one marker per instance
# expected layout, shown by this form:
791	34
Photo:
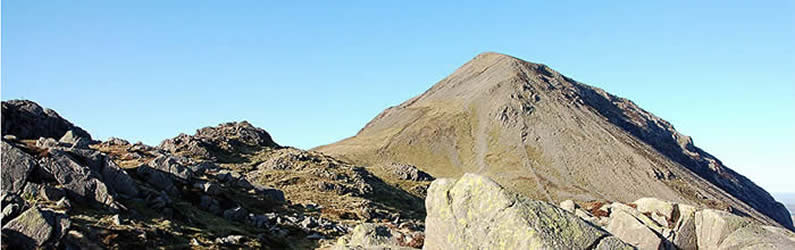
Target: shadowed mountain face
551	138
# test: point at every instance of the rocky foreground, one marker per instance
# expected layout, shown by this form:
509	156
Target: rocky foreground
232	186
229	186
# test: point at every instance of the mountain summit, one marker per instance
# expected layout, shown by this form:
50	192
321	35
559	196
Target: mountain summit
547	136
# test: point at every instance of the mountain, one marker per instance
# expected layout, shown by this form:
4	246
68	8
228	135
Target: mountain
549	137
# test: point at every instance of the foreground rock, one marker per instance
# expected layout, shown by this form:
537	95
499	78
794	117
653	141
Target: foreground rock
474	212
17	165
651	223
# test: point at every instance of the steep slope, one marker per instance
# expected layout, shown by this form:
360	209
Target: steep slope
551	138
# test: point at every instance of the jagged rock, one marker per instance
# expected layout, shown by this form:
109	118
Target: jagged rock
17	166
71	138
158	179
118	179
220	141
629	229
27	120
475	212
173	167
81	183
35	228
409	172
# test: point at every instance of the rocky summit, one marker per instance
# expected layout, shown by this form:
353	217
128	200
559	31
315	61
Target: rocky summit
549	137
502	154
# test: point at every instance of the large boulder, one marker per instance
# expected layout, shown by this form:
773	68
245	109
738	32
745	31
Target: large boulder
172	166
27	120
17	166
35	229
474	212
631	230
722	230
81	183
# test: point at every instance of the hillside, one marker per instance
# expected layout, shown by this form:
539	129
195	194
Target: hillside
547	136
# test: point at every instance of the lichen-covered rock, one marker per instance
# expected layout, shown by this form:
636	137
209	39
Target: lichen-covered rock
17	165
34	229
474	212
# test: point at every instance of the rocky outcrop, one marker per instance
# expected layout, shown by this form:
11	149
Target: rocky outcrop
219	142
79	180
27	120
17	166
474	212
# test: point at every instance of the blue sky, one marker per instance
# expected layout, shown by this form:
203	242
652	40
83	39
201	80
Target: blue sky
312	74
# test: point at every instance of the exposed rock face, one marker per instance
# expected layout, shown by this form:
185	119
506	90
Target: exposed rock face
17	165
27	120
81	182
474	212
551	138
219	141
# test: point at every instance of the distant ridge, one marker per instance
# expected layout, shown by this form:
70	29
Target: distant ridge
552	138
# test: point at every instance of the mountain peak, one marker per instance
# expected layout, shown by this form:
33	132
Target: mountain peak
547	136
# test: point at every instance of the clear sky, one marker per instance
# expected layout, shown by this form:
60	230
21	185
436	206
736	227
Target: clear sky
312	74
